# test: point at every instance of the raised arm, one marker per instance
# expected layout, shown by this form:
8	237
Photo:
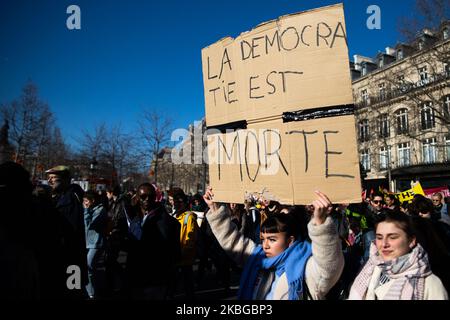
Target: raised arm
325	266
238	247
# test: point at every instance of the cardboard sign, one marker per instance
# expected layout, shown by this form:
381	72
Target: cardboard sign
297	62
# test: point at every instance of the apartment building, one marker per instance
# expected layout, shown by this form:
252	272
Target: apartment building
402	109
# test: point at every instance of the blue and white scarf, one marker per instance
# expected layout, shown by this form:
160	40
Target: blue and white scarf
292	261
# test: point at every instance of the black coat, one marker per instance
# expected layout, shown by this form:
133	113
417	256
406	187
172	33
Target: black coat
151	260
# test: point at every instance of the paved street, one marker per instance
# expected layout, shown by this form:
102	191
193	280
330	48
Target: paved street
209	288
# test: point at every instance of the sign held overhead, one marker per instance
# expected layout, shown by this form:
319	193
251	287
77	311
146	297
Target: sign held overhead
285	87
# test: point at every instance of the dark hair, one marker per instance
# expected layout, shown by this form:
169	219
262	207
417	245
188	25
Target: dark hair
91	195
376	194
276	223
14	181
301	218
421	204
401	220
114	190
151	189
178	194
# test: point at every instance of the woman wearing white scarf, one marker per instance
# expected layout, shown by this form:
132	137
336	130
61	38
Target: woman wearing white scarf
398	267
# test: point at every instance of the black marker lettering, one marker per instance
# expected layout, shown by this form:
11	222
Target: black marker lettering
321	35
275	37
214	92
336	35
254	88
242	50
229	156
327	152
303	31
275	152
306	144
270	83
230	100
284	79
246	156
227	61
254	46
209	75
297	39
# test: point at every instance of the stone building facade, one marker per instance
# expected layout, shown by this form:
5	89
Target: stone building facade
402	109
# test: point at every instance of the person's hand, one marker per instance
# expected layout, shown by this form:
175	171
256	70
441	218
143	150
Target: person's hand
322	208
208	197
134	200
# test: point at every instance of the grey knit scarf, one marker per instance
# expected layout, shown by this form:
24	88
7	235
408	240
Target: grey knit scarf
407	274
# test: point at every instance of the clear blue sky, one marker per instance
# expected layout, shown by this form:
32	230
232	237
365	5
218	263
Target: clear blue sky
137	54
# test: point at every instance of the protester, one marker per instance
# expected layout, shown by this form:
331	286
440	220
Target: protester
398	267
154	246
440	207
391	202
95	221
67	199
188	237
283	267
372	210
116	233
19	276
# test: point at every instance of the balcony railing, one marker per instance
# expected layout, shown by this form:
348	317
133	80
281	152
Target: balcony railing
403	89
421	162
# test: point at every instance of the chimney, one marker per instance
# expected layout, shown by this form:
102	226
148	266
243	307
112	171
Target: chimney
390	51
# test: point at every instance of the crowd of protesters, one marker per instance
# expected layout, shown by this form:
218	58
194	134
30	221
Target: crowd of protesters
60	242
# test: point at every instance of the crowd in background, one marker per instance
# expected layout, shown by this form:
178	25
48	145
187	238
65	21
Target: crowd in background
146	244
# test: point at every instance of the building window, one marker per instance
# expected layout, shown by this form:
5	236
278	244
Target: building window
399	54
447	69
364	130
404	154
445	34
427	116
401	85
385	157
382	90
380	63
423	74
365	160
402	121
364	96
421	44
446	107
383	126
447	147
429	150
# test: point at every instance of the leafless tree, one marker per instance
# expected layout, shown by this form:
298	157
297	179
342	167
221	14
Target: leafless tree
155	132
112	148
120	153
31	127
427	14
